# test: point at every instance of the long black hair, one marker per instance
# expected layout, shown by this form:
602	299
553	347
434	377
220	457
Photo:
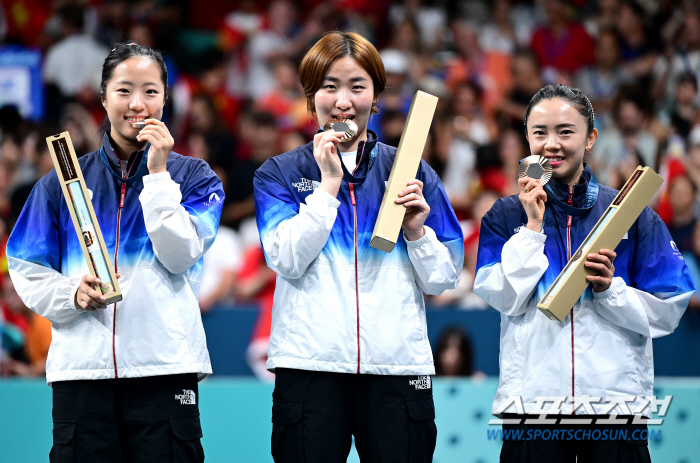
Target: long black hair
571	95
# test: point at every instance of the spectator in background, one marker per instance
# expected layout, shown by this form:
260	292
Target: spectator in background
640	44
487	69
499	34
465	129
32	331
684	113
430	21
682	197
453	353
681	58
283	38
73	64
604	17
628	139
561	46
286	99
260	136
602	81
527	81
84	132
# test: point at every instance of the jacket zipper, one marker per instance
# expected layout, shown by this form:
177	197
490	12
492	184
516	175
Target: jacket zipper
569	221
122	198
357	287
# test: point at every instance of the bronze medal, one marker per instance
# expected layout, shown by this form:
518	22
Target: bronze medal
536	167
347	126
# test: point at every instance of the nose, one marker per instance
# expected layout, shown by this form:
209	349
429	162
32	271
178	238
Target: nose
137	101
343	101
552	142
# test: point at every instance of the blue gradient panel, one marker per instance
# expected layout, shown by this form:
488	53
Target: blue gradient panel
278	196
646	258
45	235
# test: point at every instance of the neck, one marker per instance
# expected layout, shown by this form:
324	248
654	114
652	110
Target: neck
123	147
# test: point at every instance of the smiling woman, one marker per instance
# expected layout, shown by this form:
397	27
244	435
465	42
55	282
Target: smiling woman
158	218
602	348
348	336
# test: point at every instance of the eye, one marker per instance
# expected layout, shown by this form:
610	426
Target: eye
538	132
566	132
152	92
358	87
122	90
329	87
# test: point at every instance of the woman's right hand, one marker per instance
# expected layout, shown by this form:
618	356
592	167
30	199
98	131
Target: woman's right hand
532	197
326	154
87	297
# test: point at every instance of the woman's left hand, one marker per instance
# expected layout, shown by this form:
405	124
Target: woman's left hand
158	135
417	210
603	263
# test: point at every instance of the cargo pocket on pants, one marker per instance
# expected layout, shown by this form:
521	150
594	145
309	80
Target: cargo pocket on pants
287	436
422	432
186	444
62	449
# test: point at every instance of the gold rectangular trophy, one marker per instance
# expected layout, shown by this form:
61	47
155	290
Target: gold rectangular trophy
81	211
408	156
606	234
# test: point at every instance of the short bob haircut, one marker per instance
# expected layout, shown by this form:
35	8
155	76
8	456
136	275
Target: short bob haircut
335	45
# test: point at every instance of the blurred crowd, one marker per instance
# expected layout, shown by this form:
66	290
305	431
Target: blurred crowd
235	100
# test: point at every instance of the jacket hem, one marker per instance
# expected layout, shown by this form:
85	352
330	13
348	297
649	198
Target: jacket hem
202	370
335	367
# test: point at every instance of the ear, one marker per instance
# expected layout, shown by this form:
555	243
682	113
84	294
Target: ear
592	137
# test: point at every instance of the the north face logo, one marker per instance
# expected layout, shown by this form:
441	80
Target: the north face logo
186	398
305	184
423	382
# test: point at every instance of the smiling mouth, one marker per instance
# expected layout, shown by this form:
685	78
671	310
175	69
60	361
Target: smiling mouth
555	158
343	116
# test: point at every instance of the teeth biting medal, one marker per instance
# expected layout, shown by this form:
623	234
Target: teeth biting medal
138	125
347	126
535	167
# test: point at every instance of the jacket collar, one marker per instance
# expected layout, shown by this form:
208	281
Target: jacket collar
137	166
561	190
363	159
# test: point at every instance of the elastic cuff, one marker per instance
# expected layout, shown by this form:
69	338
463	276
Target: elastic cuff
527	233
429	234
156	178
326	198
71	302
610	291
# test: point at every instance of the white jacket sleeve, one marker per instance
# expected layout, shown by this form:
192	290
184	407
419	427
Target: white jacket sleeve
434	267
44	290
180	236
638	311
659	287
508	285
297	241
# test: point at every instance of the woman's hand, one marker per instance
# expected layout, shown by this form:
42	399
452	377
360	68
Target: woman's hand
158	135
417	210
326	154
87	297
532	197
603	263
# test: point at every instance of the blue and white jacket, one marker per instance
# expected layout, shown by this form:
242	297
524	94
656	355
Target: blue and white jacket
341	305
156	229
603	347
